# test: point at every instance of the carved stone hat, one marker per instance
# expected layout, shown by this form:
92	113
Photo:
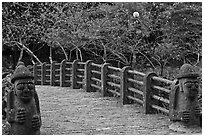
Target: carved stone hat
21	72
187	71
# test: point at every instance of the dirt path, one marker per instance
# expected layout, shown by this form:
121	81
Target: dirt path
68	111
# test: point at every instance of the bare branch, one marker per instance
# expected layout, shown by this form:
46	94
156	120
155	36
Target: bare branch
20	46
65	54
21	54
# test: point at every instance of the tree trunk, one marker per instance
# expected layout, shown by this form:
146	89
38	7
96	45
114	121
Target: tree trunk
21	55
50	57
80	54
14	58
65	54
105	52
77	56
147	59
198	59
162	70
70	55
134	60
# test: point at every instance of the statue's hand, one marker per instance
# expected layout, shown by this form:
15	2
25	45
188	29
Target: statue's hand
21	115
36	123
185	116
198	112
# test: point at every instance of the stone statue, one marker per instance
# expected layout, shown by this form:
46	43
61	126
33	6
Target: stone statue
23	110
184	97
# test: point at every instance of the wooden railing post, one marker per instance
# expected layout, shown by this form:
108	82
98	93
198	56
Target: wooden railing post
62	73
74	74
87	79
147	92
52	73
35	73
124	86
43	73
104	75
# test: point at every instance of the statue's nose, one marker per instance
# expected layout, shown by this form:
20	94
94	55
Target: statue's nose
194	86
26	88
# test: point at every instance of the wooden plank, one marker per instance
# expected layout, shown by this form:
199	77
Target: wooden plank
161	99
113	84
81	70
95	86
141	83
136	72
114	92
162	89
96	65
68	75
68	63
96	72
160	109
57	81
136	91
95	79
114	76
67	81
80	82
135	99
162	80
80	76
114	68
81	63
68	69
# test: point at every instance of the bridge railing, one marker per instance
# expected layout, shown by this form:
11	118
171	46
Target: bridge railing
128	85
93	77
65	74
112	83
157	91
132	86
78	74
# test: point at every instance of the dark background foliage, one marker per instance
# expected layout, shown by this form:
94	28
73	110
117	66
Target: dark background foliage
164	35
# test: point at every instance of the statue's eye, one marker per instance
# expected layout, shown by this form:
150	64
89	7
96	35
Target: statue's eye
196	84
30	86
188	85
20	86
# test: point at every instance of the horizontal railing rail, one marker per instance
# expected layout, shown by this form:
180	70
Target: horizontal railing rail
114	68
96	65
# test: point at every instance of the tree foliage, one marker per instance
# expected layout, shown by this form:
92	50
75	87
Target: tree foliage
108	31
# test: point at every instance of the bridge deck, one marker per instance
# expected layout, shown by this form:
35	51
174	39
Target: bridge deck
68	111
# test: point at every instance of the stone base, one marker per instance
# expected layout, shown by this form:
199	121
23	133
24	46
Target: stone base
180	127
